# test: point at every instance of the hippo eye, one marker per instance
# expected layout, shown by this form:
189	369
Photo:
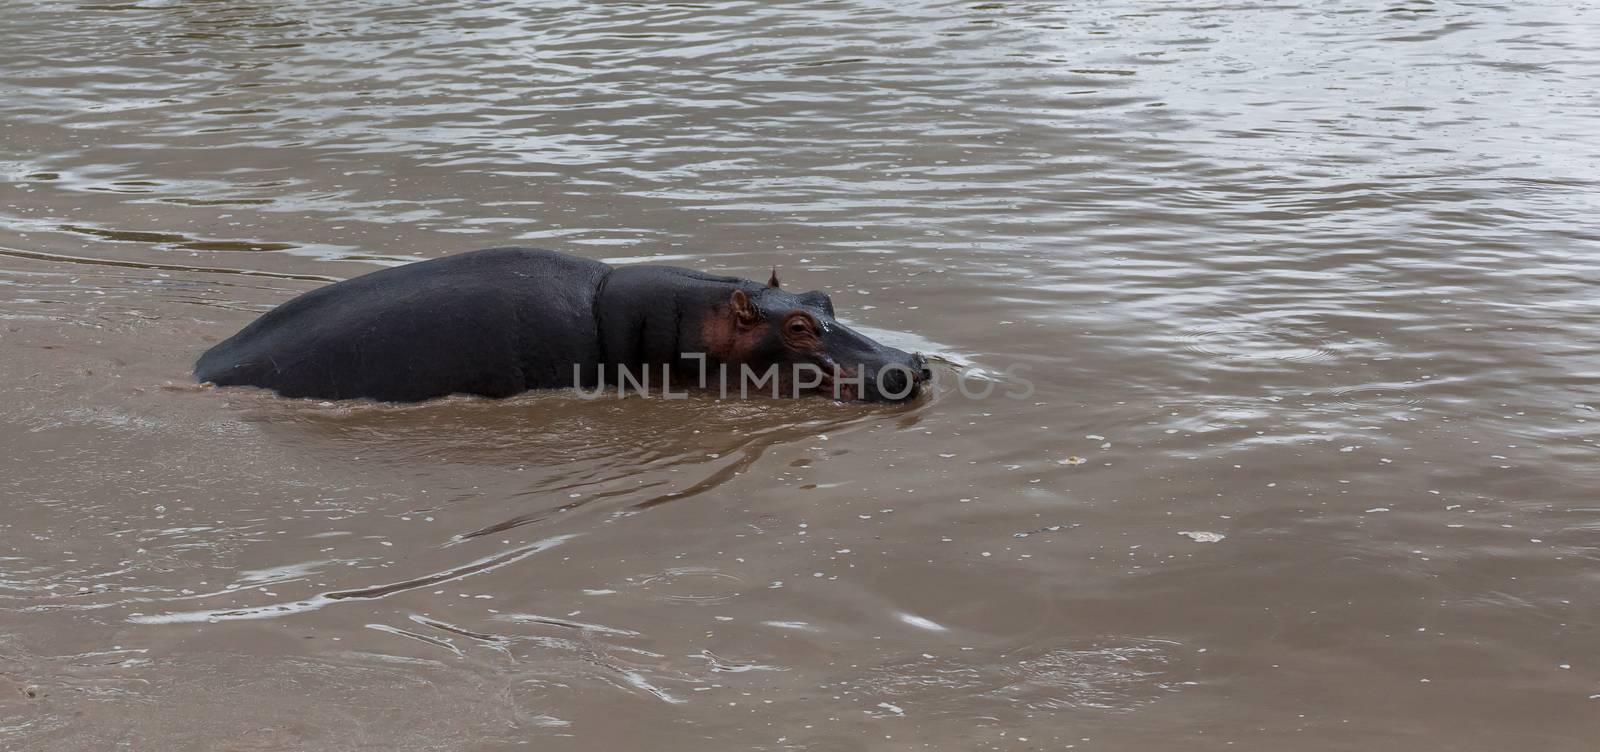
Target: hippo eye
799	326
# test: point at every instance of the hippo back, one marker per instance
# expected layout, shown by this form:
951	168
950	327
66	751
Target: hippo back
493	322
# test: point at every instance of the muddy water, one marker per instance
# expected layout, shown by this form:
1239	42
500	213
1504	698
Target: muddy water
1305	295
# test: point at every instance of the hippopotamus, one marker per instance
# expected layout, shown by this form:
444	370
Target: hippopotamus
501	321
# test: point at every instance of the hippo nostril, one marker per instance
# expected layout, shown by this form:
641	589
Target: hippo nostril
894	381
919	365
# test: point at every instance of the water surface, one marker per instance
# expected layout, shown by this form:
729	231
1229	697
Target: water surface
1305	293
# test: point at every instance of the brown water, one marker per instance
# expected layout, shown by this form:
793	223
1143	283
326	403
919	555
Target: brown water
1319	278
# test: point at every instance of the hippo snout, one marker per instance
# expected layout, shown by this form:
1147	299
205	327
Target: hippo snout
898	380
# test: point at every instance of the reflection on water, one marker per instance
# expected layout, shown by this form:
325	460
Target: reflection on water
1311	284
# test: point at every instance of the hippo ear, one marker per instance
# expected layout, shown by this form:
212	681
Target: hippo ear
773	280
743	310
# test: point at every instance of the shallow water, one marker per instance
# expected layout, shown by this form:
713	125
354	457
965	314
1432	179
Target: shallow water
1305	294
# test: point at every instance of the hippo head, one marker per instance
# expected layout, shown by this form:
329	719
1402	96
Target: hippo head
815	352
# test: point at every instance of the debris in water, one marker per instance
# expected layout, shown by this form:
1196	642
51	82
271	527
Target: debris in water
1046	529
1073	460
1201	536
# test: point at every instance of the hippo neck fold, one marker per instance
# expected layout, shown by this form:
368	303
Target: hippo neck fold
648	316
